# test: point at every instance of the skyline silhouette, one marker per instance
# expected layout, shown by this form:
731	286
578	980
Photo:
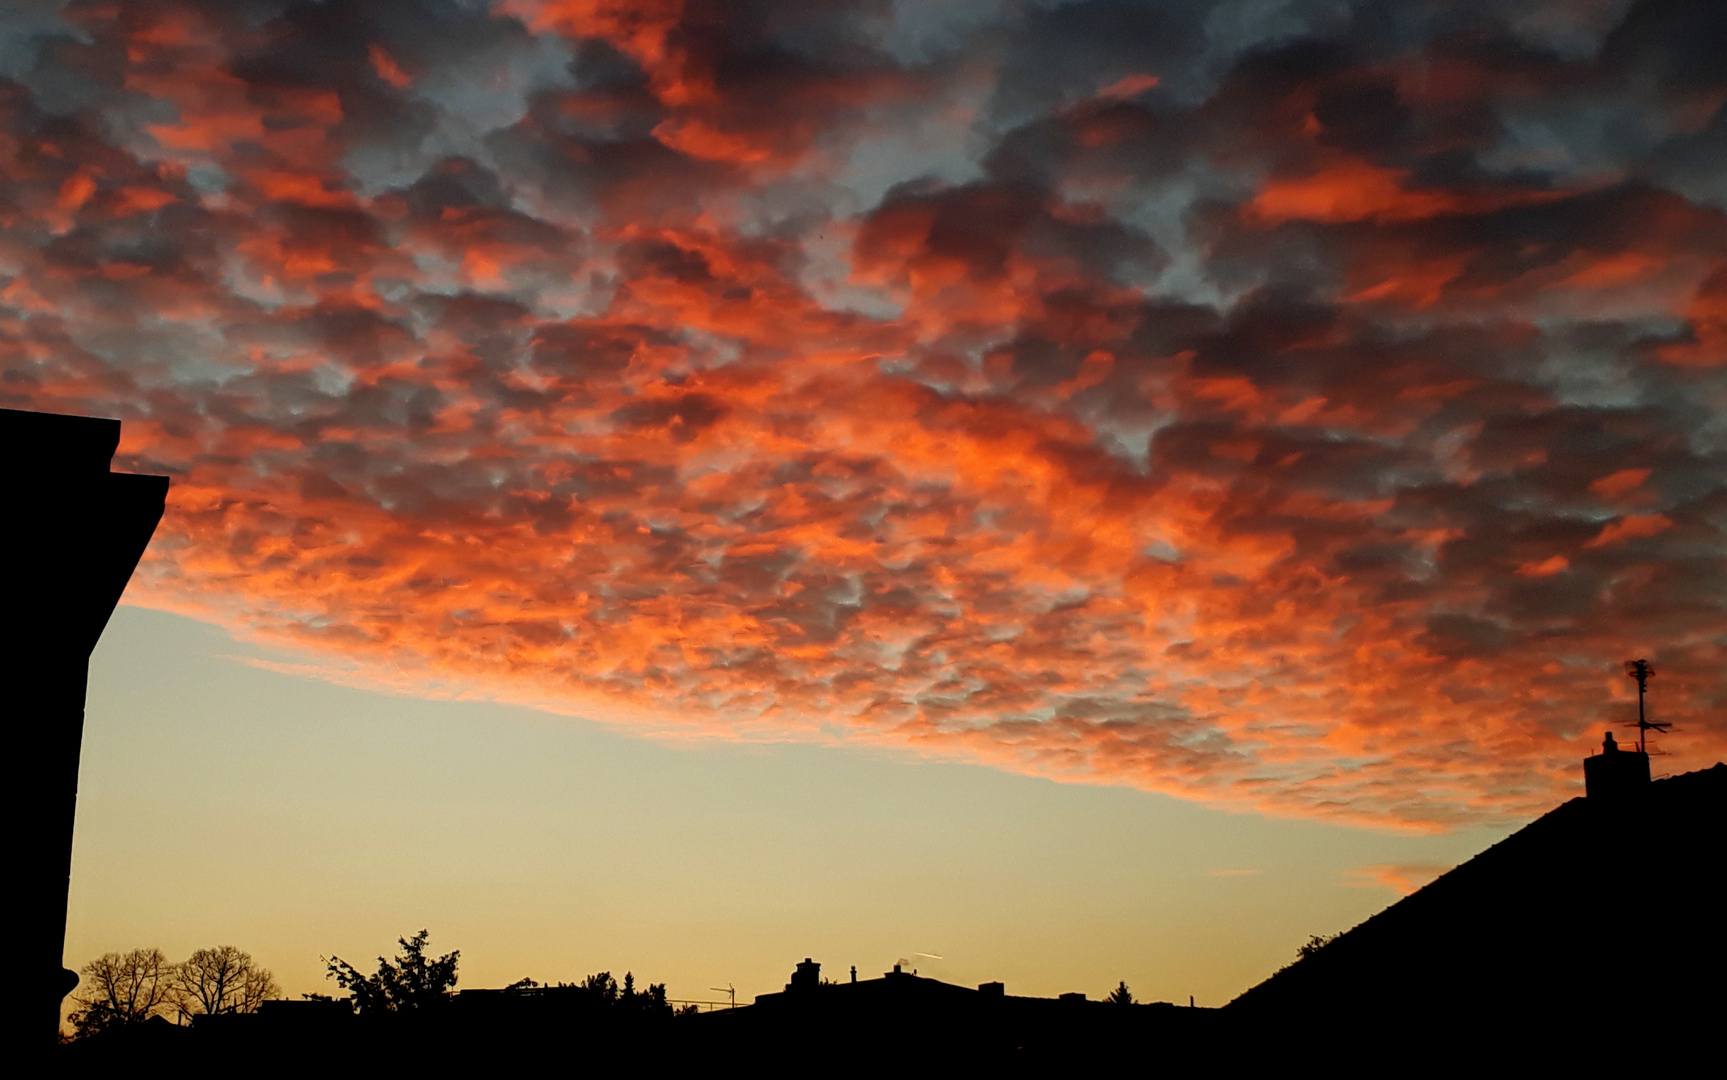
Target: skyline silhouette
1519	925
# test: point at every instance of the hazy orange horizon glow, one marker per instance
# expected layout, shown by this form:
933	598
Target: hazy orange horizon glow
1291	414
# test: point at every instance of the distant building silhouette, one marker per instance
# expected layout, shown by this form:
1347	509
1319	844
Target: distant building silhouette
910	1018
74	532
899	1019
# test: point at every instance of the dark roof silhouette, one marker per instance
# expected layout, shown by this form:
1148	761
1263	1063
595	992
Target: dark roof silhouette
1606	908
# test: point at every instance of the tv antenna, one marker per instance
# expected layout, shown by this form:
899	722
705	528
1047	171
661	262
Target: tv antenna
1643	671
729	991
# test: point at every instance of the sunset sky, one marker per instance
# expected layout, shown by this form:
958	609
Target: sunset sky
1085	491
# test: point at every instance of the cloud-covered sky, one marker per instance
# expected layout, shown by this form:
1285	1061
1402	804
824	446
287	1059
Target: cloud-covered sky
1304	406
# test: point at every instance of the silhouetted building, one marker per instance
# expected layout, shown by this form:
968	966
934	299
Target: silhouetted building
1615	773
280	1020
1605	908
73	534
903	1017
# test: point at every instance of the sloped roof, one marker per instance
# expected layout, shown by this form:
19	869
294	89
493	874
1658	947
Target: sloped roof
1598	901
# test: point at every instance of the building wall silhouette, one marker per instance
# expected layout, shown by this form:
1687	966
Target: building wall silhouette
74	533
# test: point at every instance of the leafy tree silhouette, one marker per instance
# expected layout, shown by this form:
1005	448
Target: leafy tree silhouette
1121	995
410	983
647	1002
601	987
603	991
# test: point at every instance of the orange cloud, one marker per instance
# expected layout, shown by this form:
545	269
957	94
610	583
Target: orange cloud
1631	527
1352	190
1129	86
387	68
797	376
1405	878
1554	564
1346	191
1618	483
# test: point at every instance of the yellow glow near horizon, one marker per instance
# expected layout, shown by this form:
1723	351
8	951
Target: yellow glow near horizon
223	802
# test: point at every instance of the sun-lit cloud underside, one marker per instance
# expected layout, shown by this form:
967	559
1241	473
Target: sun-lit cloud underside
1273	411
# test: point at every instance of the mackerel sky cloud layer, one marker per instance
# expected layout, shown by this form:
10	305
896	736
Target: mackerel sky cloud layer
1304	406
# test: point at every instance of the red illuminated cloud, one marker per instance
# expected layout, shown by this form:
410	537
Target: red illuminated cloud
1310	423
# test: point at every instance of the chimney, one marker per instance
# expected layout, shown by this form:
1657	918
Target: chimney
1615	773
808	976
992	989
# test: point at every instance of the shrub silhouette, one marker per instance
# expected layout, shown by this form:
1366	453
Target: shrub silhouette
1314	944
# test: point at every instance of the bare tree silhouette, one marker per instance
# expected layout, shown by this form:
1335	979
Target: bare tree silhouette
221	980
117	989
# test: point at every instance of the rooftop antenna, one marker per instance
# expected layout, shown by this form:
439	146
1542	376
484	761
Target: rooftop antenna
1643	671
730	992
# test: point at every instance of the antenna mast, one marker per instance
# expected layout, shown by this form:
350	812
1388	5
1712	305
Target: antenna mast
1642	671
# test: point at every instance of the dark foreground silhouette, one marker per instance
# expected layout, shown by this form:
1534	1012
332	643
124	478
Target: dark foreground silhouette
902	1020
1595	931
1593	935
899	1021
72	535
